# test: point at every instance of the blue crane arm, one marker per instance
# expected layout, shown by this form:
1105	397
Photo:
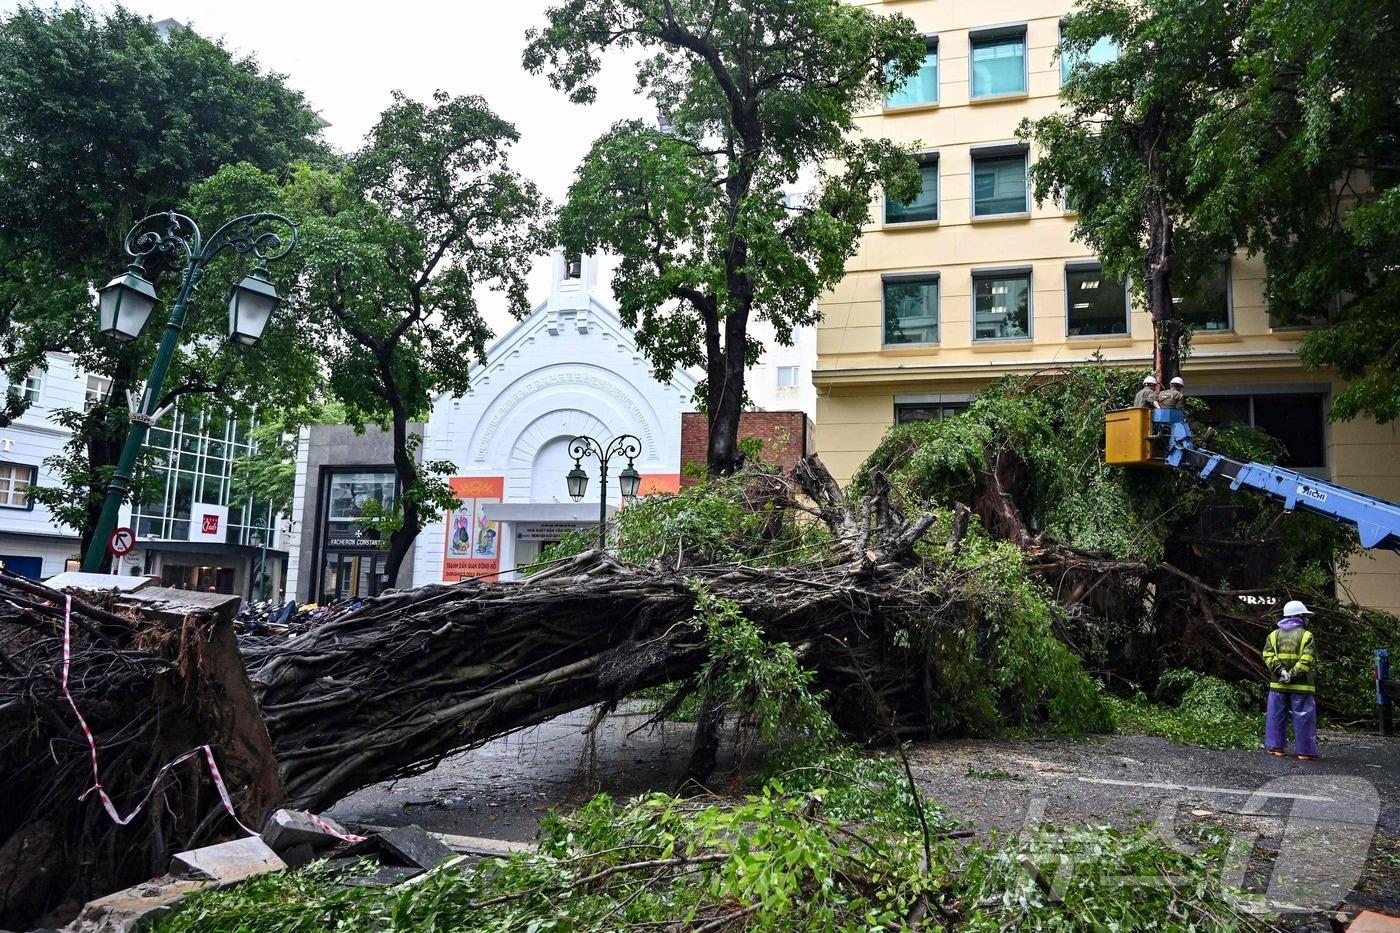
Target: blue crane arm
1377	521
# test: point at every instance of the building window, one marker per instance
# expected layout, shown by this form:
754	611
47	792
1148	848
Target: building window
924	206
922	88
909	412
15	481
787	377
1209	308
1298	420
911	309
999	62
1001	304
1104	50
1094	306
96	391
31	388
999	182
350	494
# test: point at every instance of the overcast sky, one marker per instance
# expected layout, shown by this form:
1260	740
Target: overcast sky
347	58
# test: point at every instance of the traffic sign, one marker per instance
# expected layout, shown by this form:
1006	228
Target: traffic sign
121	541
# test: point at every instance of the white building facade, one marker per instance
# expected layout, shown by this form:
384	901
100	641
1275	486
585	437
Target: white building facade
194	533
571	368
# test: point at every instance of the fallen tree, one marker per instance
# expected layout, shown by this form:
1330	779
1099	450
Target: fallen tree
153	683
390	689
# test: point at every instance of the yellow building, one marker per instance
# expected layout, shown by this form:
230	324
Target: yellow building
973	280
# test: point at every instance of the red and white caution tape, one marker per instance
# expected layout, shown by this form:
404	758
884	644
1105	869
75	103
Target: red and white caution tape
327	827
92	748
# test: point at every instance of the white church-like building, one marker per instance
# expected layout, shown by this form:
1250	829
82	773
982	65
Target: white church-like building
571	368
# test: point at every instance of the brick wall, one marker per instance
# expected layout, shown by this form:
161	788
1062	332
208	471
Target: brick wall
786	437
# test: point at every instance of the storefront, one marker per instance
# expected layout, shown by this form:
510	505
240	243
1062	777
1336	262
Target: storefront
350	554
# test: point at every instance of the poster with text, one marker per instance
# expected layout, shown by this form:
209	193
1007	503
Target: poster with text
473	541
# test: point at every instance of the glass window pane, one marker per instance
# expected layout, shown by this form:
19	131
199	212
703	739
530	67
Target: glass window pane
1001	306
1297	421
999	185
350	492
931	411
1105	50
999	65
1095	305
1209	307
924	207
911	312
922	88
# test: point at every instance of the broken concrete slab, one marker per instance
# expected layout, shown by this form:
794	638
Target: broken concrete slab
228	861
134	908
298	856
288	828
415	847
409	846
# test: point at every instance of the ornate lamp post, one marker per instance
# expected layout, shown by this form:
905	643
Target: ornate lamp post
629	480
260	537
125	303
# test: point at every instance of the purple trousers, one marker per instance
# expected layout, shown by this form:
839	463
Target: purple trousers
1302	708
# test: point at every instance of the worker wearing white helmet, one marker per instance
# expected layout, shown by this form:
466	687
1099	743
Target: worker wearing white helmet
1147	395
1173	395
1290	657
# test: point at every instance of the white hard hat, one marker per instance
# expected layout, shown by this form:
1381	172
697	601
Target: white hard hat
1295	607
1149	381
1178	381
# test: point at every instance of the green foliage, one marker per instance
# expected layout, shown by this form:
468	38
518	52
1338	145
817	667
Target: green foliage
394	245
719	521
785	858
1004	666
1099	878
756	97
104	122
1054	428
1122	145
1195	709
762	679
1305	153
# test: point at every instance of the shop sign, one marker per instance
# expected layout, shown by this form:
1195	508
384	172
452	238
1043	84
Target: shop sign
545	531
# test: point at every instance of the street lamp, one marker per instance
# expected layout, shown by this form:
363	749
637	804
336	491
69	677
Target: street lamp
629	480
125	303
260	537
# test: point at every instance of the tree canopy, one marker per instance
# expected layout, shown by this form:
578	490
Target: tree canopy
393	245
105	120
754	99
1122	148
1309	156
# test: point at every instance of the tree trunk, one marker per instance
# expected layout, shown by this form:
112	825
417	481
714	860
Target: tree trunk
1160	261
407	473
726	403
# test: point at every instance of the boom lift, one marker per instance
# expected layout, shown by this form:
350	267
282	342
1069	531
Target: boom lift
1161	437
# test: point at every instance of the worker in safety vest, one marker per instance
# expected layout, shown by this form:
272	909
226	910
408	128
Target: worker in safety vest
1288	654
1146	396
1174	395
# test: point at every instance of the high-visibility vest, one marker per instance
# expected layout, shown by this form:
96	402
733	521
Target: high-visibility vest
1291	648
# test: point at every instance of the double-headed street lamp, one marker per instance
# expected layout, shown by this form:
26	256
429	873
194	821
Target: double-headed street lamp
125	303
629	480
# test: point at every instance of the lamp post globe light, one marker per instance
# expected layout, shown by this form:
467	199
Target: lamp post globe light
629	481
125	304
